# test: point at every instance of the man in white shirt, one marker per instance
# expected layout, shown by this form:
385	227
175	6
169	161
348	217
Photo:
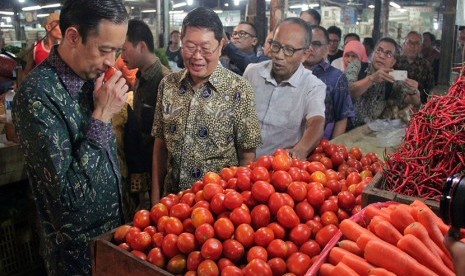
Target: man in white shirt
289	98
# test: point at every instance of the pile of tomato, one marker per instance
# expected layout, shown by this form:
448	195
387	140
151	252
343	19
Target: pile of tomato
272	217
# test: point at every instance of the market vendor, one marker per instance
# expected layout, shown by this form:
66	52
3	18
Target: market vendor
205	116
290	100
372	90
62	114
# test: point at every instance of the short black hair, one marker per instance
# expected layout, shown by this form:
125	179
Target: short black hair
254	29
461	28
431	36
175	32
139	31
325	32
353	35
314	13
335	30
301	23
202	17
86	15
369	41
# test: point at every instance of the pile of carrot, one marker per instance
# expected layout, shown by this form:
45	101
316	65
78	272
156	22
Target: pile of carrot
433	148
398	240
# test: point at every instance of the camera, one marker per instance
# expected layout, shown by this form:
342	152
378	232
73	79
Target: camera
452	204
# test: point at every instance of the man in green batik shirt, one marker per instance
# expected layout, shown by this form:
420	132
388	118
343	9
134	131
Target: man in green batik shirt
205	116
62	115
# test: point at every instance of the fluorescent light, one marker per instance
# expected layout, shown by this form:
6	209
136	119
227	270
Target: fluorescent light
148	11
402	10
175	12
56	5
190	2
5	25
218	11
226	4
371	6
6	13
299	6
394	4
21	1
314	5
32	8
178	5
236	2
435	25
43	15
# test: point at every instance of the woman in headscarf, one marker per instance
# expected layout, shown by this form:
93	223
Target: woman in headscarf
355	60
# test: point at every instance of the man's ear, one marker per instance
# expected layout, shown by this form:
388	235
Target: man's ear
72	36
305	55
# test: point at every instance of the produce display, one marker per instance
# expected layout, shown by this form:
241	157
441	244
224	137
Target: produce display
433	148
398	239
272	217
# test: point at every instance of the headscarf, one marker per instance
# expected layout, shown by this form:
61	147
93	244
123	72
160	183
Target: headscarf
357	48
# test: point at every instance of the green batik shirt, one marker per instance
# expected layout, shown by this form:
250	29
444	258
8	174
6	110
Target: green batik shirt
71	164
204	129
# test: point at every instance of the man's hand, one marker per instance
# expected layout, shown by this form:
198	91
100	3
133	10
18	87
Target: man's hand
456	249
109	97
382	75
410	84
298	152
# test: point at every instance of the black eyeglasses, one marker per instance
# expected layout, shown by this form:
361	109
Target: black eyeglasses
380	51
315	45
242	34
275	47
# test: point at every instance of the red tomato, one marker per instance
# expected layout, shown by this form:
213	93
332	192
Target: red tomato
173	226
188	198
186	243
217	203
298	263
211	177
244	234
353	178
151	230
315	226
315	157
334	186
260	216
318	176
311	248
211	189
326	162
109	73
211	249
337	159
288	200
177	264
315	196
257	267
233	250
120	233
356	152
193	260
200	216
260	173
208	268
199	196
281	162
231	270
357	208
239	216
169	245
226	173
277	248
224	228
141	219
346	200
329	217
257	252
201	203
357	165
275	202
157	239
287	217
295	173
265	161
328	205
300	234
156	257
263	236
278	230
233	200
304	210
325	234
330	150
131	234
342	215
278	266
297	191
342	149
376	167
316	166
291	248
139	254
243	182
124	246
204	232
262	190
224	262
280	180
169	200
141	242
249	200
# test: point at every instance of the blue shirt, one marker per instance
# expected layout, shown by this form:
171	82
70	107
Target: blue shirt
237	60
337	101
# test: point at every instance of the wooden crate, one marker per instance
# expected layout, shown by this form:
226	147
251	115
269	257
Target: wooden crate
12	167
109	259
374	192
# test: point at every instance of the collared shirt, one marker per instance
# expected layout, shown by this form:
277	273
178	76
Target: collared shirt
421	71
284	108
237	60
71	164
204	129
337	55
338	104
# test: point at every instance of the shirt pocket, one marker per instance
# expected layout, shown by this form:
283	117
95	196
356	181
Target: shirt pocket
286	112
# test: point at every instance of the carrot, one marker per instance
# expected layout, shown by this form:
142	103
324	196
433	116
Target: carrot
350	246
343	269
325	269
374	221
442	226
401	218
352	230
387	232
371	211
336	254
378	271
418	250
428	219
358	264
418	230
364	238
388	256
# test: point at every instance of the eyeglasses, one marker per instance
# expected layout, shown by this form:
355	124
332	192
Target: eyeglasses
411	43
334	41
242	34
379	51
315	45
191	49
275	47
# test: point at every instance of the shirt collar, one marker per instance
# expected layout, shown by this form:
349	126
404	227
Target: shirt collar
294	80
322	64
215	79
72	82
